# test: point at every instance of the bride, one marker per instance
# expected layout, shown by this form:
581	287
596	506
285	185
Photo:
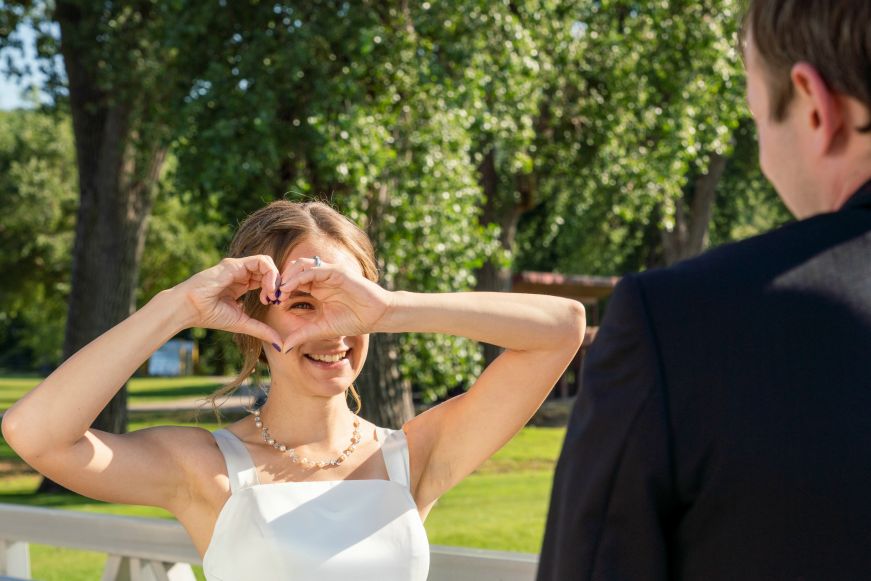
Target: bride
302	487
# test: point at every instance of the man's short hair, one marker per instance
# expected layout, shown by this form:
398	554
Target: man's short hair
834	36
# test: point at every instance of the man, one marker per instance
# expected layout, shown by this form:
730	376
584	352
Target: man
724	428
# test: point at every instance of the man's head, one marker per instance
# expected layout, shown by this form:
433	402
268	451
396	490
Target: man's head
809	90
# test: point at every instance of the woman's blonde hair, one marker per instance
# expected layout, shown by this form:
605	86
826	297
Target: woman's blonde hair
274	230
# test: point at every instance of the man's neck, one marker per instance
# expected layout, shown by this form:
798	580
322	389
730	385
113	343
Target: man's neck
849	185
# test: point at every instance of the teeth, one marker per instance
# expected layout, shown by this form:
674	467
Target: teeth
329	358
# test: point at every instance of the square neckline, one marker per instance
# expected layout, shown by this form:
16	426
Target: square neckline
382	433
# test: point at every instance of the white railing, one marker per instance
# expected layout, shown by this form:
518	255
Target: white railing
153	549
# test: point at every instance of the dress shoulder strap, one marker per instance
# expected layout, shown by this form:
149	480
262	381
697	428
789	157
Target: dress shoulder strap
240	467
394	447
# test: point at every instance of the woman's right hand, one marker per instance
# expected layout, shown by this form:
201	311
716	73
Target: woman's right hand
211	296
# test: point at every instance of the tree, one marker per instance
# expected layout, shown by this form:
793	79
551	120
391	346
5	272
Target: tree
633	140
468	139
747	203
352	105
127	69
37	194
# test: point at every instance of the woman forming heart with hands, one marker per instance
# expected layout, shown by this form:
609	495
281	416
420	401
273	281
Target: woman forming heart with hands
301	487
350	304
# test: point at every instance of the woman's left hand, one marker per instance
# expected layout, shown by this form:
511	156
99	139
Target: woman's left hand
350	304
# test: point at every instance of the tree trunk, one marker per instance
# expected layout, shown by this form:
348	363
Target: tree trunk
115	186
506	212
386	395
690	234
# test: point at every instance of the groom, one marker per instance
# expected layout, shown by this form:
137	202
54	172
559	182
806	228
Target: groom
724	427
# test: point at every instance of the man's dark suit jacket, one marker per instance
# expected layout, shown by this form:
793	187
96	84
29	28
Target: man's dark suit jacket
723	430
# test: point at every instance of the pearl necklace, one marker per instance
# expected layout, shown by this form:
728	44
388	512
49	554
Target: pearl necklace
296	459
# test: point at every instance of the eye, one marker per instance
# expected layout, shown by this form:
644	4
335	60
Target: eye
300	306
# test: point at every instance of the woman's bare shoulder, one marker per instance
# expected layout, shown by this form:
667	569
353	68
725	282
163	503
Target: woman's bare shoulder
197	437
194	448
201	460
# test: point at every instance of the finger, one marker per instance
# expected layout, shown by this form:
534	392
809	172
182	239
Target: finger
260	330
299	336
276	293
262	267
308	277
239	289
297	266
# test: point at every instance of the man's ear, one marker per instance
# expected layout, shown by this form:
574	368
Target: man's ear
822	112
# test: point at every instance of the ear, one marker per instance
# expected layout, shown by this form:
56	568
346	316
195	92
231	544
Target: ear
820	107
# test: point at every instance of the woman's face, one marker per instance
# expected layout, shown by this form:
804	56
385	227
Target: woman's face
304	367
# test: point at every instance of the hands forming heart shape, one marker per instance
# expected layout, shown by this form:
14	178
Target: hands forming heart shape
349	303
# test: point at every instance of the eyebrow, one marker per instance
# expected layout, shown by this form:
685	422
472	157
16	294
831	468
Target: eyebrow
299	293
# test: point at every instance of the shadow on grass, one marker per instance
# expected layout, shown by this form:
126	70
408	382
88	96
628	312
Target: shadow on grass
53	500
174	392
202	417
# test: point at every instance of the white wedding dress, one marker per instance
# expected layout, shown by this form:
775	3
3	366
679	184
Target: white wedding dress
365	530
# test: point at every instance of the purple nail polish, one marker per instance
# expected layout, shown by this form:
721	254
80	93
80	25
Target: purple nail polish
277	293
277	348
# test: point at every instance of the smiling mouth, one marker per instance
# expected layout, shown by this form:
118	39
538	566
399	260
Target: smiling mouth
328	358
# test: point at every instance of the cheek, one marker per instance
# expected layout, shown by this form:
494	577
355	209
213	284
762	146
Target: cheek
283	321
360	345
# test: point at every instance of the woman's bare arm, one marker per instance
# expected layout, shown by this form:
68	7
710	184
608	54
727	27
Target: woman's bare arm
59	411
541	335
50	426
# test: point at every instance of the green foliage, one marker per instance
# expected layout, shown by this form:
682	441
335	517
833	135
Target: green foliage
38	193
595	117
38	196
373	108
180	241
747	202
642	94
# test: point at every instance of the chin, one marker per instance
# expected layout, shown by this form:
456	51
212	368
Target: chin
332	388
329	386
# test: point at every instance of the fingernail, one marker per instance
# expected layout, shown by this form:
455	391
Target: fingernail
289	349
277	293
277	348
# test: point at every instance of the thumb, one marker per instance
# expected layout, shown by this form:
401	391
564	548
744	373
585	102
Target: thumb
301	335
260	330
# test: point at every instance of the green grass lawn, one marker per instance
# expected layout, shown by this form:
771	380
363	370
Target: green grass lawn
502	506
140	389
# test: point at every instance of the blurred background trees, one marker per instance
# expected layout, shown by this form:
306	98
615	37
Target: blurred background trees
471	139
